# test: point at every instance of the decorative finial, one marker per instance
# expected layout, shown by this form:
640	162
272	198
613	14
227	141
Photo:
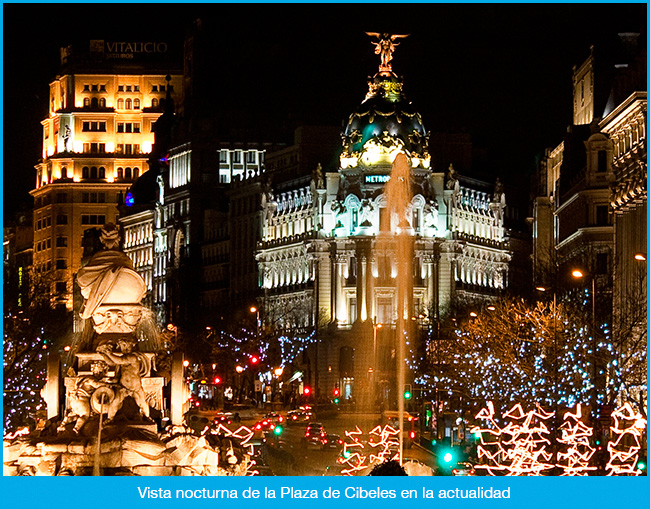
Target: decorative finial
385	46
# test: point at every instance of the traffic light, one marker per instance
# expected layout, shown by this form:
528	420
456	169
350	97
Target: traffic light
278	430
336	392
448	457
254	359
306	391
407	391
216	380
641	465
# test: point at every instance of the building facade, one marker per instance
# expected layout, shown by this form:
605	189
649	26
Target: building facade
328	260
590	209
96	141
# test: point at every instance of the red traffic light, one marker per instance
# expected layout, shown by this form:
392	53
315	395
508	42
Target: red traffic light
217	380
337	392
306	391
254	359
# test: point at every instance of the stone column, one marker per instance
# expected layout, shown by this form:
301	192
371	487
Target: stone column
51	393
178	389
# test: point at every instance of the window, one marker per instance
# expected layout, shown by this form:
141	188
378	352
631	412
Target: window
120	88
120	173
120	104
602	215
127	173
62	242
601	263
61	287
86	102
61	264
85	172
236	157
64	173
602	161
136	104
61	219
128	88
154	103
136	88
93	219
62	197
128	127
86	88
102	172
102	88
102	102
223	156
136	128
154	88
120	127
128	104
94	102
136	173
250	157
85	127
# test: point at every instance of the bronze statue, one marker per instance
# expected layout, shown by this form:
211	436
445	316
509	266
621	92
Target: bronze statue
385	46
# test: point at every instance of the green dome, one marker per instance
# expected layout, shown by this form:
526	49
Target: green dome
384	117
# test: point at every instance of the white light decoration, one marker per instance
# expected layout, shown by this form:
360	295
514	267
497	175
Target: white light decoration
383	441
578	451
518	448
625	442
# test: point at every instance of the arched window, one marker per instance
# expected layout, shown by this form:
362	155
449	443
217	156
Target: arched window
154	103
128	104
120	173
127	173
86	102
102	102
136	104
136	173
93	172
120	104
94	102
85	172
102	172
64	173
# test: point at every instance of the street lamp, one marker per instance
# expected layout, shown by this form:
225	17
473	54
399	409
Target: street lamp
579	274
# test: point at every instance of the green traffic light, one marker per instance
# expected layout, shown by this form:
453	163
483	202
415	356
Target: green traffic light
336	401
448	457
640	465
278	430
407	395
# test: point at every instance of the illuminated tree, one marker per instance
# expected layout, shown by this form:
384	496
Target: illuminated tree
515	350
29	335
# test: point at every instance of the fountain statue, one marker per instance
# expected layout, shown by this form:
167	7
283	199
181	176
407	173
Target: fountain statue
114	413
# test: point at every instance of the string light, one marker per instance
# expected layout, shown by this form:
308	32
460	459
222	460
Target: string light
575	436
625	444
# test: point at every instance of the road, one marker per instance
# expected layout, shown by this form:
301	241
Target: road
288	455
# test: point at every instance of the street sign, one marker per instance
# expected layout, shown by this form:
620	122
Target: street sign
258	386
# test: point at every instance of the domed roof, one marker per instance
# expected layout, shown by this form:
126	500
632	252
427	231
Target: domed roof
144	191
385	119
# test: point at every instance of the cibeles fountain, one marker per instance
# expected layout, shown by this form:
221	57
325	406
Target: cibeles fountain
107	415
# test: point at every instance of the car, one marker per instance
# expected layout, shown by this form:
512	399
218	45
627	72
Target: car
224	418
331	441
463	468
314	433
275	417
298	416
264	425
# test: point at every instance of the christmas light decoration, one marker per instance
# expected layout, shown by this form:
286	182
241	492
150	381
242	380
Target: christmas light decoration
625	444
518	448
575	436
384	442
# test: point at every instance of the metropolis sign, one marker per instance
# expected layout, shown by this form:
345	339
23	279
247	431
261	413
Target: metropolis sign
376	179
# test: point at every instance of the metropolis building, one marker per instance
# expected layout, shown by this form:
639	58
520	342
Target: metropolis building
320	265
97	137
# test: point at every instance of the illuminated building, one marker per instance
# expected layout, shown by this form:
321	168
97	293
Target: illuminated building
97	137
318	260
590	209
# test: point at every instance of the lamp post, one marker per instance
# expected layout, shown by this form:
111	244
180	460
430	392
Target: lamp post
578	274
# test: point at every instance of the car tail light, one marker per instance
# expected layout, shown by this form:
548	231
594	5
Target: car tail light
471	472
272	426
324	440
280	418
258	426
412	435
340	441
454	471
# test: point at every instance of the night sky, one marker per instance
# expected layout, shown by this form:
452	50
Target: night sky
499	72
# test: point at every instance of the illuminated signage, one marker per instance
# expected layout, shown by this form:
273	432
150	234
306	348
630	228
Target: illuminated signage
376	179
129	50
